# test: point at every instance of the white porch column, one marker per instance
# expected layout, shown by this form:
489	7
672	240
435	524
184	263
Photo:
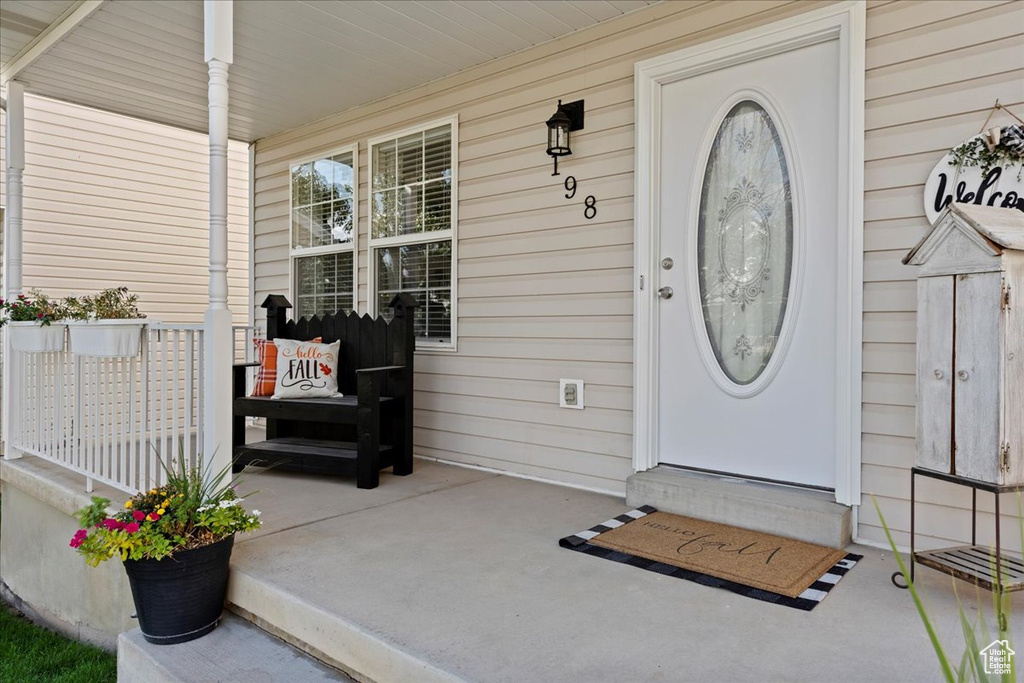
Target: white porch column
12	242
219	351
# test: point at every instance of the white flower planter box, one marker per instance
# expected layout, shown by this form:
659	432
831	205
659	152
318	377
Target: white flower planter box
106	338
31	337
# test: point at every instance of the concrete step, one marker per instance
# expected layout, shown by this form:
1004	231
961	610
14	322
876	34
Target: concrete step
235	652
803	514
326	635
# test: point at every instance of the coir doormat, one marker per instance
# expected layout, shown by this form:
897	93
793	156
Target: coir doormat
757	565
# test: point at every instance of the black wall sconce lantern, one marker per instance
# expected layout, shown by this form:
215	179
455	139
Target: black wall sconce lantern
567	118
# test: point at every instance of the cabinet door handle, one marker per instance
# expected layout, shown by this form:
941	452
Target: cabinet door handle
962	375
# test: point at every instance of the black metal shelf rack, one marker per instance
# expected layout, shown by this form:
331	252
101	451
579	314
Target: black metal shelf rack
1001	570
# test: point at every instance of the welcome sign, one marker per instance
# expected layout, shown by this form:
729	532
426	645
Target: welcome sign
1001	184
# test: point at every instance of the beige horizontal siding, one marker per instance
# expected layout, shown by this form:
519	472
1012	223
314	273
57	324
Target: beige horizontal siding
110	200
934	71
545	294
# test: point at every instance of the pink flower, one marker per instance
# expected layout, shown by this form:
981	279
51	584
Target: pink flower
39	315
112	524
153	517
139	515
132	527
79	538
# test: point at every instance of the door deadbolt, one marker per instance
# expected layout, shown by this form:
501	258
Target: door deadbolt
665	292
667	263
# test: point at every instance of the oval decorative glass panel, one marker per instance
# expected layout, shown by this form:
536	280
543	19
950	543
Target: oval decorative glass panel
745	242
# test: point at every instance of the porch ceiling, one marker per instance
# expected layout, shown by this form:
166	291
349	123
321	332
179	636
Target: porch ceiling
21	22
295	62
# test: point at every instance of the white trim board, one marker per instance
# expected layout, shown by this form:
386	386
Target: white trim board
518	475
845	22
251	170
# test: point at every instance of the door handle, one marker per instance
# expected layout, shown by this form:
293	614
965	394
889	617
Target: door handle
665	292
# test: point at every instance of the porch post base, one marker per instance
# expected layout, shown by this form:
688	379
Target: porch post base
218	350
12	453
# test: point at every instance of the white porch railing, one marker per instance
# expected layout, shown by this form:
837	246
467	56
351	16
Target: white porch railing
118	421
115	420
245	352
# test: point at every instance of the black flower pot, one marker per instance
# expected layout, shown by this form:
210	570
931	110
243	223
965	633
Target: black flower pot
180	598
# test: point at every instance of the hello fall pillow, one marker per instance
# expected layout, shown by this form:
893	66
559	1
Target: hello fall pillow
306	369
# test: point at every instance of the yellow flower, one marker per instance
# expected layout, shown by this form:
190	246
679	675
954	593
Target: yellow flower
128	503
160	511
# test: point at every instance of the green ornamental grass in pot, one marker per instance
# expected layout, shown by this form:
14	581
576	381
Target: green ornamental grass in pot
175	542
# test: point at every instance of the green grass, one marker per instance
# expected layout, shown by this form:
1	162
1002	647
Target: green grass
31	654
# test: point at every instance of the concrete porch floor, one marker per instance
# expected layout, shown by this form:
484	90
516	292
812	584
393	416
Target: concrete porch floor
456	574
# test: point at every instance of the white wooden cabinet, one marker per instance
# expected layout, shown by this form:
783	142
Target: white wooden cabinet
970	344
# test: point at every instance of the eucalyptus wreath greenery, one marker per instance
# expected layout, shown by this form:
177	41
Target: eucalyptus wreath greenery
1008	152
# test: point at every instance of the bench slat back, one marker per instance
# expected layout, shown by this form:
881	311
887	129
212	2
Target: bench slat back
366	342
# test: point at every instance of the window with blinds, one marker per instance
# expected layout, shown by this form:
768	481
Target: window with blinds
412	226
323	233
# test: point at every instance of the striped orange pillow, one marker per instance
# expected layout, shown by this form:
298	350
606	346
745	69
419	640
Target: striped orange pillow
266	376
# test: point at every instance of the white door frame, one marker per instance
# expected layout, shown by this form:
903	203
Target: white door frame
844	21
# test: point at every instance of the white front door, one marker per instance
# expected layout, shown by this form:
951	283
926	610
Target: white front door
747	218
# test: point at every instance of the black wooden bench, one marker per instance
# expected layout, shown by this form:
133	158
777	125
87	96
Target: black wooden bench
366	430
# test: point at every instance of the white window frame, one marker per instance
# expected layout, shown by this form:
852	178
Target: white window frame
419	237
295	253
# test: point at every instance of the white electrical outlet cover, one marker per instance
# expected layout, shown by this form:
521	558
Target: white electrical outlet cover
568	383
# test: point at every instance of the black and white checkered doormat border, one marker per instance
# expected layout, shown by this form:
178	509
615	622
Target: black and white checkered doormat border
807	600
